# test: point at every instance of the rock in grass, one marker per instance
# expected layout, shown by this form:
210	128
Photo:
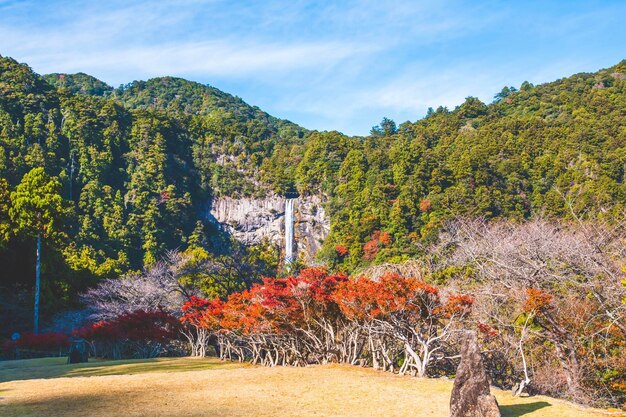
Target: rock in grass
471	395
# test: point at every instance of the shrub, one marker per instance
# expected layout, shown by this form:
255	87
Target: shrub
34	345
141	334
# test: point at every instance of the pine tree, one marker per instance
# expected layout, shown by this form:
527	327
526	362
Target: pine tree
37	209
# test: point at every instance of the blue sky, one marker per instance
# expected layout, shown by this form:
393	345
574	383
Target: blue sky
327	65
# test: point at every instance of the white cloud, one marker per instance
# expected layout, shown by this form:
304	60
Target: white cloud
207	59
144	40
328	65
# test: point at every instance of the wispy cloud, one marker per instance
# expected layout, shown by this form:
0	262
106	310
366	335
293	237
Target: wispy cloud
131	42
206	59
325	64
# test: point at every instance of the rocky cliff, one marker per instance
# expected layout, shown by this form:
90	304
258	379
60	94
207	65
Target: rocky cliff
252	220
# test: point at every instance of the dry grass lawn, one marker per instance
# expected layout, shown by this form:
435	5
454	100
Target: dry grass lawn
207	387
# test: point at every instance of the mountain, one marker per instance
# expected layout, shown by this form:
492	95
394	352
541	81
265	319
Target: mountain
137	179
174	96
79	83
156	165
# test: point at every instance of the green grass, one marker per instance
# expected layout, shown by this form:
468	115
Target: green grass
58	367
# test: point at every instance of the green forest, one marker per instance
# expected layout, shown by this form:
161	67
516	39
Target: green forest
111	179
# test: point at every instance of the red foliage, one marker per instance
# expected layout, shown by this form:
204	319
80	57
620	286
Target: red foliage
43	342
276	305
194	310
280	305
240	313
487	330
213	314
142	325
316	317
164	196
102	330
425	206
136	326
277	309
283	306
364	299
356	298
314	284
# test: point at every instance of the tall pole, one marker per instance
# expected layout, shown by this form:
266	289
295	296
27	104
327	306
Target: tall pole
37	284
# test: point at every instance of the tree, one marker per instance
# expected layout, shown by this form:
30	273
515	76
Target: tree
5	220
37	209
504	93
557	282
404	317
219	274
157	288
387	127
140	334
198	320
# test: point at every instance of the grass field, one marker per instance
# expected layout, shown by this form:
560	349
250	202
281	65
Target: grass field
208	387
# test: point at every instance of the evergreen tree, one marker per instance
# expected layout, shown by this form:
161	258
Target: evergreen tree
37	211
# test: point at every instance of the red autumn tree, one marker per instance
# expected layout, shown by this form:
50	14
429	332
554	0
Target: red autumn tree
200	318
143	334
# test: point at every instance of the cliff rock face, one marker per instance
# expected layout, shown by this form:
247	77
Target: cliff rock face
252	220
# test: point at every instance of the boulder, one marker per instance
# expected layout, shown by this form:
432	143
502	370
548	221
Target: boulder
471	395
78	352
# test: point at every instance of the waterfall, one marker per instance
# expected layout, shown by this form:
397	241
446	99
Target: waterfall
289	231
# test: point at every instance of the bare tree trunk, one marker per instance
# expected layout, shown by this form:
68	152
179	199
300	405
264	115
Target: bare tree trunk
37	285
523	383
569	364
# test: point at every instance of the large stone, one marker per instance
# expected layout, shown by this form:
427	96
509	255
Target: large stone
77	352
471	395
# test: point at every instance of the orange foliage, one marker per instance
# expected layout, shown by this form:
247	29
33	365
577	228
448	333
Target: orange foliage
341	250
536	300
370	250
459	305
384	239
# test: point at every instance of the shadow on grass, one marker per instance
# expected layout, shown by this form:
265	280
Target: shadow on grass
143	402
67	405
57	367
517	410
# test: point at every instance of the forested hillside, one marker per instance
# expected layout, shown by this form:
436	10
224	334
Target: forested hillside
135	177
136	167
550	150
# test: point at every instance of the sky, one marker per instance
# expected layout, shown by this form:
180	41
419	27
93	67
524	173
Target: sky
326	65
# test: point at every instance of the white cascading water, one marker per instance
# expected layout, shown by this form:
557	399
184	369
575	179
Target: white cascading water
289	230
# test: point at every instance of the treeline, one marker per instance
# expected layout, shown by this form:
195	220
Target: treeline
546	298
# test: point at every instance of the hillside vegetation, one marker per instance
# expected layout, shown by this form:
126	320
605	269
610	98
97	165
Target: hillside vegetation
136	167
135	177
511	215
